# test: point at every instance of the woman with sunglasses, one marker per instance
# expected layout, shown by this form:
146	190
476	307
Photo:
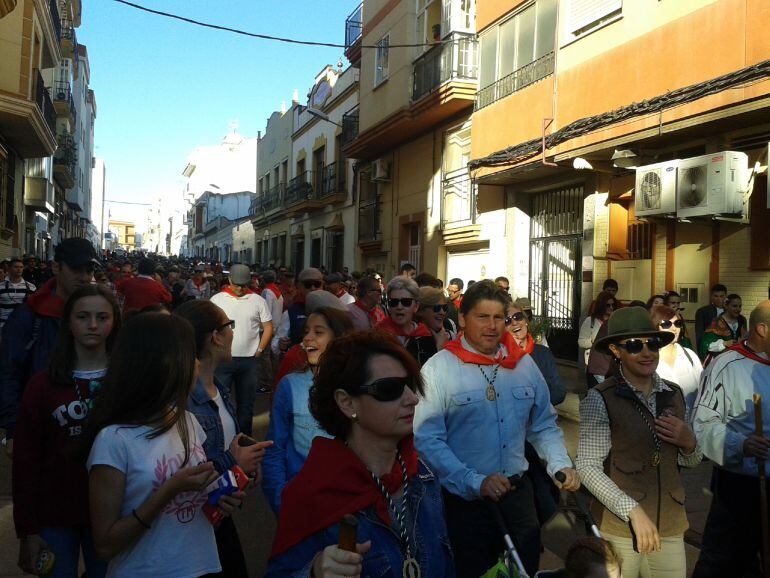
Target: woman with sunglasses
432	313
364	395
726	330
603	308
673	300
633	440
678	363
292	428
403	303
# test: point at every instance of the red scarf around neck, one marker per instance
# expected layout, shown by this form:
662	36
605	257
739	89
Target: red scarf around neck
529	345
274	288
334	482
743	348
226	289
508	361
390	326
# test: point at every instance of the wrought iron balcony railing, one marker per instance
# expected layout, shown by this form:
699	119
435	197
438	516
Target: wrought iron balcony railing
61	90
44	102
350	126
328	181
67	152
300	188
354	26
54	8
456	58
458	205
518	79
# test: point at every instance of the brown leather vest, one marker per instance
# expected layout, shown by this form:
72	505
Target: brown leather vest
657	489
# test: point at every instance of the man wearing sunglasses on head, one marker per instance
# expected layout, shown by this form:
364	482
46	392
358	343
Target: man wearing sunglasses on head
633	440
484	397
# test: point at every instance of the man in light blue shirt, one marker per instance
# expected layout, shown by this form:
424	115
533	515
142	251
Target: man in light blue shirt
483	399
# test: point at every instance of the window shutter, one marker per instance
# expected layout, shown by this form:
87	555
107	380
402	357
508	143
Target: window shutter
583	13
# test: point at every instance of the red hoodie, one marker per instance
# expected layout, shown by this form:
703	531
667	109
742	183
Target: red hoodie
50	487
141	292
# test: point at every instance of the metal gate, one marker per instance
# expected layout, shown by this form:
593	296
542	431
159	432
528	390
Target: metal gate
556	234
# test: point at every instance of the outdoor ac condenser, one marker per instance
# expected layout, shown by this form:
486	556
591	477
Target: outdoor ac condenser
655	191
712	185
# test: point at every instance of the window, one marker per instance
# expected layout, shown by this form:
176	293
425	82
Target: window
381	60
285	170
585	15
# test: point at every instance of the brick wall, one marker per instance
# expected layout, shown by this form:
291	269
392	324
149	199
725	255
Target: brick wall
734	249
659	250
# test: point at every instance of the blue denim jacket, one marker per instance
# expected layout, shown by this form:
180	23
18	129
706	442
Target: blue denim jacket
292	429
205	410
385	559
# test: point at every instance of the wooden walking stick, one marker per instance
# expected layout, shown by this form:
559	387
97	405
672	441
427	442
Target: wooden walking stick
765	534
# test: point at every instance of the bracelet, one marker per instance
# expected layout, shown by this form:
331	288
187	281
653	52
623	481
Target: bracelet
141	522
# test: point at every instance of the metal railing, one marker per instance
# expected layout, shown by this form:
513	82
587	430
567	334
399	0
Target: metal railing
55	18
354	26
300	188
328	181
457	57
518	79
458	206
350	126
62	90
66	153
44	102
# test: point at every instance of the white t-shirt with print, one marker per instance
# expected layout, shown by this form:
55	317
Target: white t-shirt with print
181	541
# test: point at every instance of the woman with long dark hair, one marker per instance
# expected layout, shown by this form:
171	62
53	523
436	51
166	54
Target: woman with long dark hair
292	427
50	487
210	403
148	470
597	364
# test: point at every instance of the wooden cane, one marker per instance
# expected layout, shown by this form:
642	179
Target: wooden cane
765	535
348	532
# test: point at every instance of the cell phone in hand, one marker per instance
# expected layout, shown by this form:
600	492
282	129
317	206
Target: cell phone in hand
245	441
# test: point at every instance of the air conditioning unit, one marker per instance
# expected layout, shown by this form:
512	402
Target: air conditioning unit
655	191
381	171
712	185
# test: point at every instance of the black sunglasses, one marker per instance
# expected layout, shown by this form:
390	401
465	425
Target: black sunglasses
385	389
405	301
438	308
666	324
519	316
230	323
635	346
310	284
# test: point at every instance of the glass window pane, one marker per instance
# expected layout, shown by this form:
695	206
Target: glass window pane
525	42
546	27
507	47
488	58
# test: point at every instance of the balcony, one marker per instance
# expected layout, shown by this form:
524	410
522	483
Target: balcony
54	8
332	185
44	103
63	102
350	126
69	40
65	161
518	79
39	194
353	33
267	203
455	59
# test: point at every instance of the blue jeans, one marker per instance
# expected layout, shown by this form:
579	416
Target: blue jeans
65	543
241	377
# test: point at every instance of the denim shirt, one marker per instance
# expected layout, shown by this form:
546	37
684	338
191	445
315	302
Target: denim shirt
292	429
465	435
386	557
206	411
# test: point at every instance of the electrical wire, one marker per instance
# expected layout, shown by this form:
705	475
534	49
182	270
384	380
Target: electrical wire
526	150
266	36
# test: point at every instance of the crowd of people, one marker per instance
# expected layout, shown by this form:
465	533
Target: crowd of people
420	415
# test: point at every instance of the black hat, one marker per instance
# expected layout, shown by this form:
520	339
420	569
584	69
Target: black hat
76	252
627	323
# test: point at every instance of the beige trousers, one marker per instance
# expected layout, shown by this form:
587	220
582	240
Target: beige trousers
669	562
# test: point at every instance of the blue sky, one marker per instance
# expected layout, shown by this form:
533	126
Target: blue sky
164	87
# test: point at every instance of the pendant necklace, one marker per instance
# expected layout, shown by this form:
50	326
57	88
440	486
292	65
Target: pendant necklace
491	392
411	568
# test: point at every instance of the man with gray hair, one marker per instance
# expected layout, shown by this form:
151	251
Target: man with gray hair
366	311
723	422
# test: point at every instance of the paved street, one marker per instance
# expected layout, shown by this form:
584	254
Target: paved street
256	523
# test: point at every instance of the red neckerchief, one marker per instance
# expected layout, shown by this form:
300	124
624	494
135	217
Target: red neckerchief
509	362
229	291
529	346
743	348
274	289
45	301
390	326
458	302
340	293
197	282
334	482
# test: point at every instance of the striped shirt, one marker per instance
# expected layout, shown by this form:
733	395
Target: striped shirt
12	295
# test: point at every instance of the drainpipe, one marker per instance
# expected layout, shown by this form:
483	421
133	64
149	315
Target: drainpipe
547	122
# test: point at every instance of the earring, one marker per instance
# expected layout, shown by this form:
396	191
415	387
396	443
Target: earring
354	416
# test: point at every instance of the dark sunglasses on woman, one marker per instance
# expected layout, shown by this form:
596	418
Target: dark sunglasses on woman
666	324
635	346
438	308
311	284
405	302
385	389
515	317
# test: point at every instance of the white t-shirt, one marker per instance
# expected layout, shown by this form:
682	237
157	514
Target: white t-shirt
248	312
275	304
347	299
685	373
181	541
228	424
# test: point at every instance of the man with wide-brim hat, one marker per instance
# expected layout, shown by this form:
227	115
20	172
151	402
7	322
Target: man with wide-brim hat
633	439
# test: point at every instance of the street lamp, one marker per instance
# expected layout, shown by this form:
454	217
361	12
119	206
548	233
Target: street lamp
322	115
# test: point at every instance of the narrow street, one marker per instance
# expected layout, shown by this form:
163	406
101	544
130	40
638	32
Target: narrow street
256	523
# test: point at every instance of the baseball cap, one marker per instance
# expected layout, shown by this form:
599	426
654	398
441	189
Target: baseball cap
240	275
310	274
76	252
333	278
317	299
